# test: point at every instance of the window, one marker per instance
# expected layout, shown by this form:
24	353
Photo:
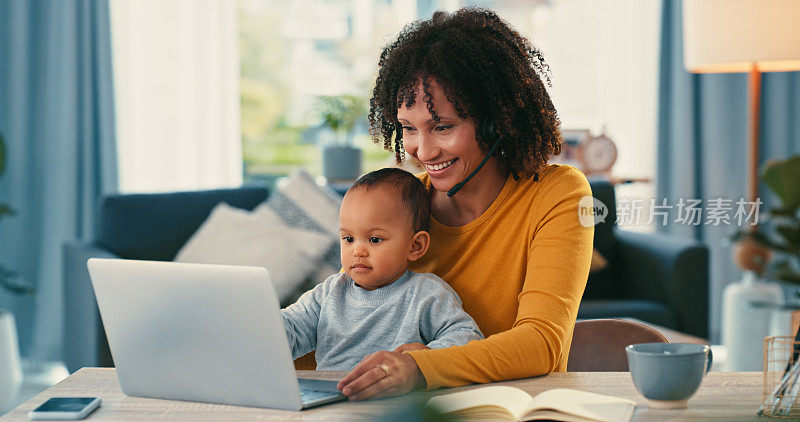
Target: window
603	57
293	52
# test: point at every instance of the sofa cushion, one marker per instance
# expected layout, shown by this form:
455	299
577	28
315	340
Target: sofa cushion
238	237
603	191
303	204
599	262
602	284
155	226
323	269
645	310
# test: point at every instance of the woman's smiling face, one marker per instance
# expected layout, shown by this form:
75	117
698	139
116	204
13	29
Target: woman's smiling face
448	148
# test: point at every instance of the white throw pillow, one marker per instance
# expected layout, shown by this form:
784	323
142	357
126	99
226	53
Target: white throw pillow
324	269
319	204
300	203
266	213
237	237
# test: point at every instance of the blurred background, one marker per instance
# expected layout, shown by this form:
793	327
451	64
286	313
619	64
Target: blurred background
109	97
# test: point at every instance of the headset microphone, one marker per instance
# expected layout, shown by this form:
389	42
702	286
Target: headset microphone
461	184
487	132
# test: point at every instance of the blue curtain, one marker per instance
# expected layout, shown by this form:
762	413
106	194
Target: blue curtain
57	116
702	142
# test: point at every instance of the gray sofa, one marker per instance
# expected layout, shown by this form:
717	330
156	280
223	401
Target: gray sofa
654	278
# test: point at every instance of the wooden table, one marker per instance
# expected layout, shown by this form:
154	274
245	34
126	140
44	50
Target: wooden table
724	396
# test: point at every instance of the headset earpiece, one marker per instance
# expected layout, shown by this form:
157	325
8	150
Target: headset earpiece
487	131
488	134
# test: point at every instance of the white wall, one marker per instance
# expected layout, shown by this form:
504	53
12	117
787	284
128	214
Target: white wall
604	60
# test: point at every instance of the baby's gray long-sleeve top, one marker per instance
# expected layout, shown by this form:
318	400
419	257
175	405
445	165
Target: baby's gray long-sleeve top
344	323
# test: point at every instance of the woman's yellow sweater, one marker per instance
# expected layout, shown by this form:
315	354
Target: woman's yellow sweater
520	270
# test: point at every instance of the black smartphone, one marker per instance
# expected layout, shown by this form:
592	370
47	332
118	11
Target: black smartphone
65	408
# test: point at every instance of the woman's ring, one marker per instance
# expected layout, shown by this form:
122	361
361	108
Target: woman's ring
385	369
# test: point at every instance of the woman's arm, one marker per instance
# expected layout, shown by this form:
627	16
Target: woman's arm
555	278
538	342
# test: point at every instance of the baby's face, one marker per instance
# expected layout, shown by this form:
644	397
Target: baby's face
376	236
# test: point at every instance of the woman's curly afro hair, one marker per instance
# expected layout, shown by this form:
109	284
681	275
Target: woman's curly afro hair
486	69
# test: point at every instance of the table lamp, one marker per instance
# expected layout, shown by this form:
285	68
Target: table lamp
743	36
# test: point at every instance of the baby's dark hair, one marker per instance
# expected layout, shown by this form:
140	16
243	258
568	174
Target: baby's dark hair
413	194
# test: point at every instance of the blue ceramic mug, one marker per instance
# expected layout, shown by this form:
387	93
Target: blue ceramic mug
668	374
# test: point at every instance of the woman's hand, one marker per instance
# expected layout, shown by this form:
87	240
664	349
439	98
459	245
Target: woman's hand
411	346
382	374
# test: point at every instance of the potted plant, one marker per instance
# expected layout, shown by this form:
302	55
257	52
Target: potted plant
783	179
341	160
9	280
10	369
756	306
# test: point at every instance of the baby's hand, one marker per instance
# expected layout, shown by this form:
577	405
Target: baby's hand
411	346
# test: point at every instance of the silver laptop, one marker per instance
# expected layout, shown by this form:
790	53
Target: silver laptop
197	332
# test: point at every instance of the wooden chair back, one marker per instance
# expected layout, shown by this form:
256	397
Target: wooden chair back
598	345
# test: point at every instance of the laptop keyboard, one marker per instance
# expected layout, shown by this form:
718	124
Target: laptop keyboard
308	395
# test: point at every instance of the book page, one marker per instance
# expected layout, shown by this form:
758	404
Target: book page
512	399
590	406
553	415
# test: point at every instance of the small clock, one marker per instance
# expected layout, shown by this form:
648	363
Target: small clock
598	154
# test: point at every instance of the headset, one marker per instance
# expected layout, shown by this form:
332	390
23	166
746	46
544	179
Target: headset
487	133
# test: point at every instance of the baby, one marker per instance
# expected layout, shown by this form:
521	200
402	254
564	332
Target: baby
377	303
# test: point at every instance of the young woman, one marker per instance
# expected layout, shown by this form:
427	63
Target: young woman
463	94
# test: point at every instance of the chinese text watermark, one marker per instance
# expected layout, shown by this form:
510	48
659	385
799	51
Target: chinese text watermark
684	211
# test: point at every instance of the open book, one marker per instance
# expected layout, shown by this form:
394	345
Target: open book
561	404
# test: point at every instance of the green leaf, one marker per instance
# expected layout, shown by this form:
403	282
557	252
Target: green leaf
783	177
5	210
341	112
789	278
783	212
12	282
764	240
784	271
791	233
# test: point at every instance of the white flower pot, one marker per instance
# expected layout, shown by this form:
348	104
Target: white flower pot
744	326
10	368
